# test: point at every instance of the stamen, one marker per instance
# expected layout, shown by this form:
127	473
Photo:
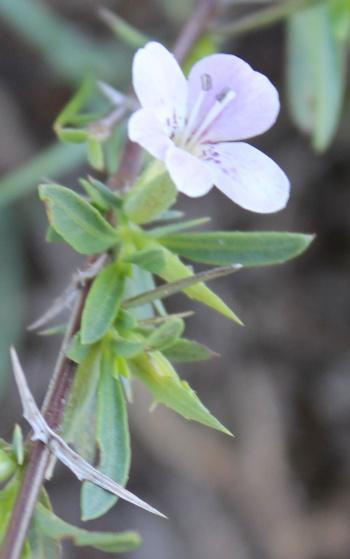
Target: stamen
206	82
222	100
206	85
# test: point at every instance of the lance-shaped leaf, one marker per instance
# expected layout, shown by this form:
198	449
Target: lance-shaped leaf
54	527
7	501
175	269
81	406
164	230
102	304
316	73
41	545
191	284
122	347
184	351
80	225
162	380
166	334
249	249
152	259
59	448
7	464
100	194
112	437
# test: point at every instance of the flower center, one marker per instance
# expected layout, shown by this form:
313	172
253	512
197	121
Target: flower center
190	136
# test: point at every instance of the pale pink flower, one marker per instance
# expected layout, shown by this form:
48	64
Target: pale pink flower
195	126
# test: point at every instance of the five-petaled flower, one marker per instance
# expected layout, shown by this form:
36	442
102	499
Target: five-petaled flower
195	126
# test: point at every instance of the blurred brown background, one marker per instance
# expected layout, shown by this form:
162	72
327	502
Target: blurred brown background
281	488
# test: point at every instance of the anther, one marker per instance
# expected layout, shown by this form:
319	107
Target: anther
206	82
224	93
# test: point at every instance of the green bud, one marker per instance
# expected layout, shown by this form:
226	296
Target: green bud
153	194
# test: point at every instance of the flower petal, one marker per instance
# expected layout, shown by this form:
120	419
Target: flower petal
254	108
248	176
190	174
159	82
146	129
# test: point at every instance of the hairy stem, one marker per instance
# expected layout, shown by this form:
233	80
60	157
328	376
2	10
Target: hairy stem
63	376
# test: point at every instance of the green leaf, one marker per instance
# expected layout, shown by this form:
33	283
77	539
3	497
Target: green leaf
42	546
52	236
175	270
340	18
95	154
151	259
181	277
76	103
175	227
166	334
72	135
185	284
100	194
126	348
248	249
184	351
51	525
112	436
162	380
316	73
77	351
140	282
152	195
7	464
7	500
102	304
76	220
78	422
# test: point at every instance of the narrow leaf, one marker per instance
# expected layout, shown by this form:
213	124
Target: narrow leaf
126	348
162	380
102	304
183	350
175	270
51	525
164	230
151	260
81	406
316	73
170	288
166	334
248	249
100	194
112	436
81	225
